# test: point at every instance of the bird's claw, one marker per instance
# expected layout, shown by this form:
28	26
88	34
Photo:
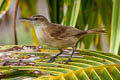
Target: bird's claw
67	61
51	60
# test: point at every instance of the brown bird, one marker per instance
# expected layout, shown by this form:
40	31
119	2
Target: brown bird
57	35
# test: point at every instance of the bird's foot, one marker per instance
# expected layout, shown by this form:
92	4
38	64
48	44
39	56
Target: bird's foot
69	60
51	60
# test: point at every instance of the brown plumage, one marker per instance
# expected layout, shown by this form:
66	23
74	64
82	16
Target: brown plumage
57	35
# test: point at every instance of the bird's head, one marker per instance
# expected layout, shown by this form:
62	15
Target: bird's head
35	20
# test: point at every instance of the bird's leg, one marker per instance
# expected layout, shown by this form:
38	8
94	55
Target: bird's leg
53	58
69	59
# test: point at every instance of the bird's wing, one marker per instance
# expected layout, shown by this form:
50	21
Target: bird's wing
58	31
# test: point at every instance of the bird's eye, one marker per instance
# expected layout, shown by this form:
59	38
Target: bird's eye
36	18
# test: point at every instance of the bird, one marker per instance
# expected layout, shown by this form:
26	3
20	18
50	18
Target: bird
57	35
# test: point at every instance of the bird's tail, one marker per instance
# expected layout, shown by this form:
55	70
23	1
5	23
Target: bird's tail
95	31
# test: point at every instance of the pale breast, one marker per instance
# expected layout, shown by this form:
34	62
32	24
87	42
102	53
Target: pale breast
39	33
42	35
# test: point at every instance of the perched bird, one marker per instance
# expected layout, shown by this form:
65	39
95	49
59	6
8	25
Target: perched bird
57	35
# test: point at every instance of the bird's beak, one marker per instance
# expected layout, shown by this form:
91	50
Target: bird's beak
26	19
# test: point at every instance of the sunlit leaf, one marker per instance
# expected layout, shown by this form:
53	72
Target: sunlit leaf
35	40
75	12
115	29
72	12
85	65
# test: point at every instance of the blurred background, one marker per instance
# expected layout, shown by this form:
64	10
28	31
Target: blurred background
82	14
25	9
